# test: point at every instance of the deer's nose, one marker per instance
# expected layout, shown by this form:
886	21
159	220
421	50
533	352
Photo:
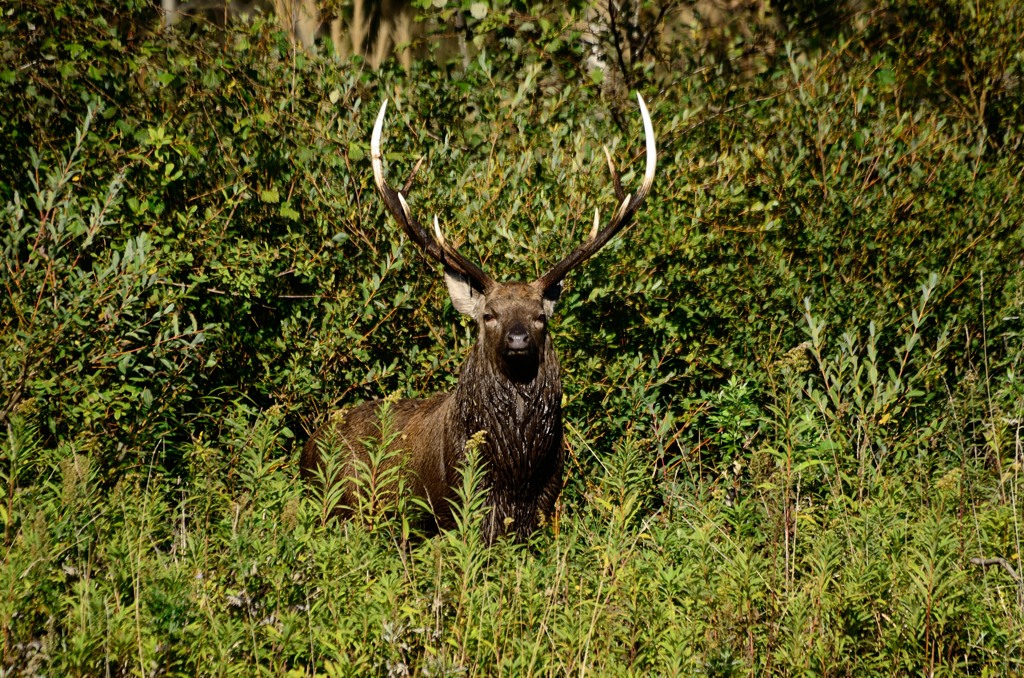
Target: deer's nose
517	338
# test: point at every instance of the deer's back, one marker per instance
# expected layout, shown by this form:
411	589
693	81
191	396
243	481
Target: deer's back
416	431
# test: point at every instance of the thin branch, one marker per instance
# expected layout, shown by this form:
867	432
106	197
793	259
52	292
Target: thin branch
988	562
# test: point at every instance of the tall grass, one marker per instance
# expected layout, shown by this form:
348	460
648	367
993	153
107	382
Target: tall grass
793	393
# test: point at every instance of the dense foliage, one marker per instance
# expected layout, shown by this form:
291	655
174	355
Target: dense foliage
793	387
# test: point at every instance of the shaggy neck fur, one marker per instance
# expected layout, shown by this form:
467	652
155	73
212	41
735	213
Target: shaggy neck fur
523	421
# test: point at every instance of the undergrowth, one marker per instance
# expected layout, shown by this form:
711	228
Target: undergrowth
793	393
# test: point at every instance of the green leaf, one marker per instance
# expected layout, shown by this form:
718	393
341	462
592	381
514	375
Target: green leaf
288	212
355	151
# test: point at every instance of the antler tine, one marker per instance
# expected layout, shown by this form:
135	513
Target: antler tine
436	248
616	182
438	235
622	216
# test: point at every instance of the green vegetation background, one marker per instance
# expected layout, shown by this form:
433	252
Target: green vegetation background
794	403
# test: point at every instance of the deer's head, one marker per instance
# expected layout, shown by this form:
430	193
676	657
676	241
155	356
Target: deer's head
512	316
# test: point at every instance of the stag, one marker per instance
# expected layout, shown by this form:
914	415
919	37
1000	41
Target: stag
509	387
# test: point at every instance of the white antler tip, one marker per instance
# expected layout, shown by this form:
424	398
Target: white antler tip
405	206
437	232
378	126
375	155
624	207
652	151
608	156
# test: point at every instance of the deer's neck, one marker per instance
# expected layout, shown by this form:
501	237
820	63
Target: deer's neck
523	419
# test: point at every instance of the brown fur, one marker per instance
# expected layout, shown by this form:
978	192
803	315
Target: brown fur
514	397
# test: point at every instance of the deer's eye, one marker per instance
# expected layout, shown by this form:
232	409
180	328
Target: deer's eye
489	317
541	319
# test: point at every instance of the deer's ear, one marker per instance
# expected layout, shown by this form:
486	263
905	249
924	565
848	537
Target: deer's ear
465	298
551	296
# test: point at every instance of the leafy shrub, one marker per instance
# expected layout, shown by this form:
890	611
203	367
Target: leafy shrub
792	388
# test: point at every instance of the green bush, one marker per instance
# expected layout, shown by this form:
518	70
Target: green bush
792	387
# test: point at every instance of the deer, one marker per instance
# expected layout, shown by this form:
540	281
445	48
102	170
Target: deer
508	398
